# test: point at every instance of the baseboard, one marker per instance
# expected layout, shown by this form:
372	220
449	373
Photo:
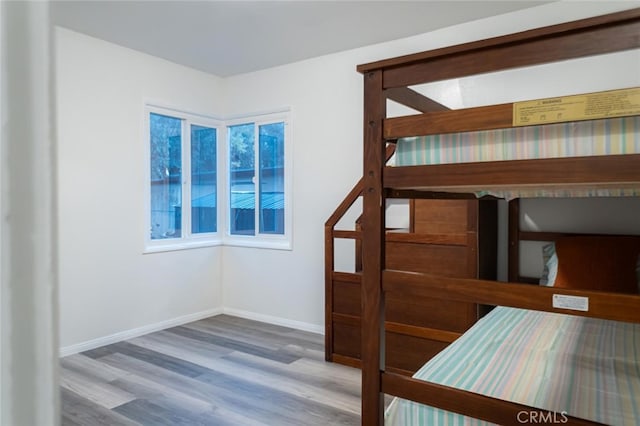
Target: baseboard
136	332
298	325
130	334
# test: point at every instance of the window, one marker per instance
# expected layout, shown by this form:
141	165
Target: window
185	207
258	203
183	201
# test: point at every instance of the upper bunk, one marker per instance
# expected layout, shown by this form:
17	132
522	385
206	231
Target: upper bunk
595	128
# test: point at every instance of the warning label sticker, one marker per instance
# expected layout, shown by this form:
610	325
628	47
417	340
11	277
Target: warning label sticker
612	103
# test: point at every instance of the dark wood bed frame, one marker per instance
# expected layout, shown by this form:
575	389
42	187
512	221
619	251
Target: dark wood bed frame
390	79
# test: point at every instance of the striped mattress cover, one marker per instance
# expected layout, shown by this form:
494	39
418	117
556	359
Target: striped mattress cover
574	139
588	368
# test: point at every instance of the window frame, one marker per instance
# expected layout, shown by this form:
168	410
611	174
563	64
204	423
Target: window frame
261	240
187	239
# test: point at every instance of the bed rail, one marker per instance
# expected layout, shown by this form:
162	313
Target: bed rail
618	307
620	170
588	37
469	403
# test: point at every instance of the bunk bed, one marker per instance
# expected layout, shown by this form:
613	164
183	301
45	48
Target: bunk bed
509	177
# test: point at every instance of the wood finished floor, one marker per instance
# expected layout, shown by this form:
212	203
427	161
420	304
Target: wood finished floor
217	371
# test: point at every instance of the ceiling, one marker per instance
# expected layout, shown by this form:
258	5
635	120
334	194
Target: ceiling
233	37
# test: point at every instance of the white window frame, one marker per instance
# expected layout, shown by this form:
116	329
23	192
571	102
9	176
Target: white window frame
268	241
187	240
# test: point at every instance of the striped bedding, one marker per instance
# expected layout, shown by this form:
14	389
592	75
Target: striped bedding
585	367
575	139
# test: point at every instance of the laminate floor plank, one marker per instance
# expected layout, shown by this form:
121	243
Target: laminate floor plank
69	421
271	334
275	376
171	363
224	332
344	383
233	344
167	339
343	375
151	413
98	352
77	409
167	378
290	408
221	391
217	371
181	352
168	397
273	329
283	335
303	352
92	368
99	392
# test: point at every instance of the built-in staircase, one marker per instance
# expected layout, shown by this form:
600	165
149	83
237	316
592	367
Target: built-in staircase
443	238
344	287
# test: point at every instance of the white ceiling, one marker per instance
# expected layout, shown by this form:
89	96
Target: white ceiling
233	37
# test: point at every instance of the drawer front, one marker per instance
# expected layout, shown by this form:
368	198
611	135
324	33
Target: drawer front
441	216
431	313
346	340
409	353
445	260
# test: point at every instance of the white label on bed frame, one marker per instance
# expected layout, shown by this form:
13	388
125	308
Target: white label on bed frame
575	303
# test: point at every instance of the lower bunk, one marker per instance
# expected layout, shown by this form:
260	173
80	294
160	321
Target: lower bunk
558	365
566	351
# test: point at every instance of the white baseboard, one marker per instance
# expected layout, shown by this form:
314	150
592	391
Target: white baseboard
135	332
298	325
130	334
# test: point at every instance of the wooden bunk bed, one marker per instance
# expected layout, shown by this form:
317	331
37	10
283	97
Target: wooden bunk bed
391	80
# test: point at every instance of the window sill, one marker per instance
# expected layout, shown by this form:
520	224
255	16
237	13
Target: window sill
187	245
252	242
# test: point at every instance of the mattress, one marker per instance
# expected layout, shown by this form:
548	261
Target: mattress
588	368
613	136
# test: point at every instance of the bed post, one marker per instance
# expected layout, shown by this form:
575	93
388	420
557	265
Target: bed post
514	240
372	317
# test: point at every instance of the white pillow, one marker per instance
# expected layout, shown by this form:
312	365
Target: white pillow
550	259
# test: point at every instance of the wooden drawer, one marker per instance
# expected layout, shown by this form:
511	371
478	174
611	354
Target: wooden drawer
441	216
445	242
409	353
346	340
431	313
445	260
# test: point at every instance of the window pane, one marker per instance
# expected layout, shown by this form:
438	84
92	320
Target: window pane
166	176
203	180
272	178
241	176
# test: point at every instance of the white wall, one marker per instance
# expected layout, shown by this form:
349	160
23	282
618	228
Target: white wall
325	95
108	288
